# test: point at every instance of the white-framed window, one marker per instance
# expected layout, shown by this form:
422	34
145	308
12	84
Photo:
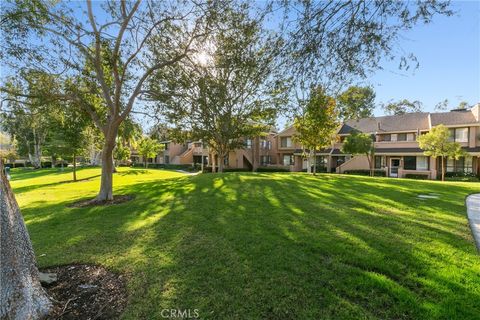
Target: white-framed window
461	134
422	163
286	142
264	160
248	143
450	165
269	145
288	160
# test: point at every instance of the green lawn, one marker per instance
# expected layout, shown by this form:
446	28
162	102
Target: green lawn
265	246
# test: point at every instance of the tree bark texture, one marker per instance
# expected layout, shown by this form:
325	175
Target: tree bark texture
21	295
106	182
74	168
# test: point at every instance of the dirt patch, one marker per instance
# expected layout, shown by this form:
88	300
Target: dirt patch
94	202
86	292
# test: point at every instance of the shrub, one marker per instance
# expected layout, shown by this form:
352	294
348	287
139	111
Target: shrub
376	173
416	176
47	164
461	176
272	169
237	170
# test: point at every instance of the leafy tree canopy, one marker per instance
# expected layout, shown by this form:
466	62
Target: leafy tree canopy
356	102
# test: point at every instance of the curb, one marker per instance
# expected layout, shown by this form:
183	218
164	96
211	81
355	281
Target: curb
473	213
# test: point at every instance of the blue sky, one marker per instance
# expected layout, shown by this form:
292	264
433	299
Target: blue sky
448	50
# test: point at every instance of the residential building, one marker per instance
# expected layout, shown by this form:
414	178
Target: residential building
396	150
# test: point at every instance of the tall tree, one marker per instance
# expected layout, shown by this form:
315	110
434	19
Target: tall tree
148	148
21	295
69	134
356	102
402	107
317	125
28	117
358	143
229	90
437	143
132	40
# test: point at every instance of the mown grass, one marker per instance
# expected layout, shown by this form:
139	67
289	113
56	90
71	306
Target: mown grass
265	246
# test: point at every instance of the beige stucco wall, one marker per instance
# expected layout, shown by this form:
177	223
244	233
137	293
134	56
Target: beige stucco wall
358	162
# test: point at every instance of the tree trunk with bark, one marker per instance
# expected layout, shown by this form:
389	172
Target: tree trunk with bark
21	295
220	160
106	182
213	163
443	168
314	162
74	168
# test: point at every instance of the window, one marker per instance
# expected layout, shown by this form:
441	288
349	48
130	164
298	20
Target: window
263	144
411	137
225	160
410	163
288	160
385	137
321	161
422	163
459	134
379	162
402	137
286	142
166	146
450	165
248	143
197	144
167	159
264	160
463	164
269	145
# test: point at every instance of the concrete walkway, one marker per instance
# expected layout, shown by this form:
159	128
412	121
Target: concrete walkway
189	173
473	212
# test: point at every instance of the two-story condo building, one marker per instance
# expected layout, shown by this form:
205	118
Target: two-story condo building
397	151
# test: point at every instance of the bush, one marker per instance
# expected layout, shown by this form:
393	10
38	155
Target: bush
319	169
237	170
47	164
457	174
460	176
416	176
272	169
376	173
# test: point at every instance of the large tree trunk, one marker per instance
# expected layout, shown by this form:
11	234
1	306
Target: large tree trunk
314	162
21	295
37	151
443	168
74	168
106	182
220	160
213	163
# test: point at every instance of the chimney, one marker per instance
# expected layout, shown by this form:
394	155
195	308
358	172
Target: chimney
378	126
476	111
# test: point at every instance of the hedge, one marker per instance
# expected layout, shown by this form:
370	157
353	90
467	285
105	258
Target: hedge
272	169
376	173
416	176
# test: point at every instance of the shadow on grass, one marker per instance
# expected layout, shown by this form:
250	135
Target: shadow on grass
19	190
262	246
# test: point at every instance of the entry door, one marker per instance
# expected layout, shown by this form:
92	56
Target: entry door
394	164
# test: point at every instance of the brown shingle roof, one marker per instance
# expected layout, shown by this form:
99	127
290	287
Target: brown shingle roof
409	121
404	122
453	118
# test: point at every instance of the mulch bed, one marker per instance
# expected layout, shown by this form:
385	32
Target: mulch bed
94	202
86	292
